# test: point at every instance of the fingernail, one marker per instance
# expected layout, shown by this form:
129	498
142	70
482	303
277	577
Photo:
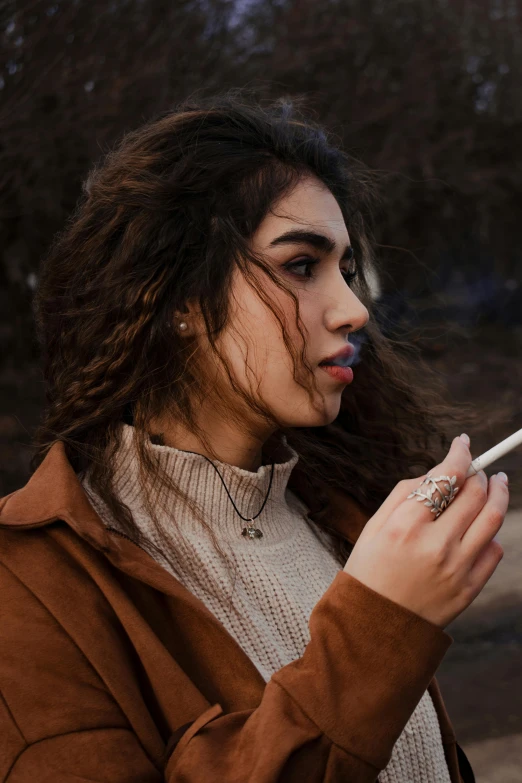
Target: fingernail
465	438
502	476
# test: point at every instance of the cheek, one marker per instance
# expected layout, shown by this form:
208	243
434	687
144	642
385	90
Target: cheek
273	360
254	345
251	344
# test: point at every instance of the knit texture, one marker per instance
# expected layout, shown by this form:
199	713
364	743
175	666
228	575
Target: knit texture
274	581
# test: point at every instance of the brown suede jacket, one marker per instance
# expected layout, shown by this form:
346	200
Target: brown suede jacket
112	671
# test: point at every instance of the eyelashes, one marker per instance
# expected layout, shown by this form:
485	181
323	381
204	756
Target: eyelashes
309	261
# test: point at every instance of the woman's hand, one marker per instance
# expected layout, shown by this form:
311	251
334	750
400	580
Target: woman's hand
434	567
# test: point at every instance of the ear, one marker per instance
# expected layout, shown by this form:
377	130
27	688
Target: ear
191	315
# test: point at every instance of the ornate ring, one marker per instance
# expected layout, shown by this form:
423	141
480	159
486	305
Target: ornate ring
437	504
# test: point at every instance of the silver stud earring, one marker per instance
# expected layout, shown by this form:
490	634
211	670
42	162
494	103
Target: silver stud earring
183	326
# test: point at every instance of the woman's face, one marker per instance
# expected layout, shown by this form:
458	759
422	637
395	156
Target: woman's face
253	345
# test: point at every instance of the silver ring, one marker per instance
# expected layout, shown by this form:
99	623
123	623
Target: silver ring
438	504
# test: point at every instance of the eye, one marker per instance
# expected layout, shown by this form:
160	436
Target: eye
311	262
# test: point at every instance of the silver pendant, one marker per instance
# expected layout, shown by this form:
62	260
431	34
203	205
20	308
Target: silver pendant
251	532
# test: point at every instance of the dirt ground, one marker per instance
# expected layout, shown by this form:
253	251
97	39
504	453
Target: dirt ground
481	674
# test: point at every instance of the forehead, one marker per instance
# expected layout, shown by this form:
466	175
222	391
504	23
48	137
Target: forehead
310	204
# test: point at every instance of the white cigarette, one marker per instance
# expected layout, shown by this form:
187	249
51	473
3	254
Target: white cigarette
495	453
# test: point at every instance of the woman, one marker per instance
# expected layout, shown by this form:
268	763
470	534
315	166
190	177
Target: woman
178	602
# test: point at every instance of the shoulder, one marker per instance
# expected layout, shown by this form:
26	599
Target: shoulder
44	554
51	573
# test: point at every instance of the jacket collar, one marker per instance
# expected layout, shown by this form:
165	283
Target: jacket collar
54	492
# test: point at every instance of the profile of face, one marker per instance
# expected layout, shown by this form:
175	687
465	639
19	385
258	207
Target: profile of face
320	278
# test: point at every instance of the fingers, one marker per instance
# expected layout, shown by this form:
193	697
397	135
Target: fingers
483	568
465	507
456	463
488	522
395	499
455	466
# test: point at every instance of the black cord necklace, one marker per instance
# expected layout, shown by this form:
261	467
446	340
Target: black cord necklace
250	532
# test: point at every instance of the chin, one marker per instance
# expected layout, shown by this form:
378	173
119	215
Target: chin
317	418
334	413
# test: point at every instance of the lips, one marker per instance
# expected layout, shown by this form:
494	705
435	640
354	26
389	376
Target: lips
341	357
339	374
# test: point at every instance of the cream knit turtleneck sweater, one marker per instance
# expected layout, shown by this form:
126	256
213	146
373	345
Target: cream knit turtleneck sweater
279	577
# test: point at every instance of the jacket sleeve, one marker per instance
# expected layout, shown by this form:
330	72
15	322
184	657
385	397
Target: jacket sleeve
332	715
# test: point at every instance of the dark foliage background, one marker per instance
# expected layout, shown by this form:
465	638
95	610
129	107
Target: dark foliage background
426	92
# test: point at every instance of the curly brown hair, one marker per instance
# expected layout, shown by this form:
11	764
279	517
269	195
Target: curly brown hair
163	219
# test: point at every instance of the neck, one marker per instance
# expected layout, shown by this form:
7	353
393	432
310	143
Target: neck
239	449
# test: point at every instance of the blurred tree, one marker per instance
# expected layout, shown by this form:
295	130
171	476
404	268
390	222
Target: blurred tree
76	76
426	91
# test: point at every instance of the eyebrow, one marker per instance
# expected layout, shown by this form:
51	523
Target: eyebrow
319	241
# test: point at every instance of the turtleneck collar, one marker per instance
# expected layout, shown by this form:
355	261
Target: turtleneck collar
196	475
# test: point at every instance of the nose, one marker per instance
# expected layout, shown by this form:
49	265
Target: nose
350	311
